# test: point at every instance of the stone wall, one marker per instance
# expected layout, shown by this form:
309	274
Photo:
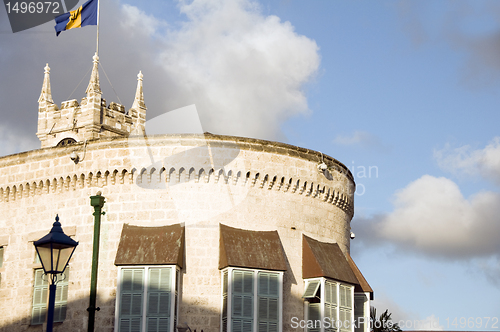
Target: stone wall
198	180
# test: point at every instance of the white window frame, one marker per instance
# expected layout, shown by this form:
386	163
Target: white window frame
174	304
255	327
366	310
322	296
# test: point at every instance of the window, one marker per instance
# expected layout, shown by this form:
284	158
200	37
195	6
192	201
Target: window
40	295
251	300
66	141
148	299
328	302
362	312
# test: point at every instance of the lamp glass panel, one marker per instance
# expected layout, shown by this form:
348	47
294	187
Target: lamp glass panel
61	258
45	254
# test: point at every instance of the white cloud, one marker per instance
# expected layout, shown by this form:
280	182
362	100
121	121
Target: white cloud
136	21
489	267
457	26
464	160
360	138
431	216
429	323
382	302
407	320
244	71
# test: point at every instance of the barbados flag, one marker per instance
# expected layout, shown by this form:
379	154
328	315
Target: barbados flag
86	14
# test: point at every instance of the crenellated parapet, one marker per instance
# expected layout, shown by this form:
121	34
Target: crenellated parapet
90	119
254	166
150	178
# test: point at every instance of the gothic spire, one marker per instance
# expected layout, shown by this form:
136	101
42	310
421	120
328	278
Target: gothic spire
139	96
46	94
94	85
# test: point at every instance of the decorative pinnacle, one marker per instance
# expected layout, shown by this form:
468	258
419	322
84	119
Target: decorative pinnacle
94	85
46	94
139	96
56	226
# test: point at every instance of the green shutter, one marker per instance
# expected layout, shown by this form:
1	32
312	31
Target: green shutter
1	256
242	325
176	290
268	301
40	288
158	324
159	299
359	310
40	294
242	301
131	291
331	313
61	302
159	292
345	306
243	282
311	289
348	294
130	325
345	315
343	298
331	292
314	314
330	304
224	300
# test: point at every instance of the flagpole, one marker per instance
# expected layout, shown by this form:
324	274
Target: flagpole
97	45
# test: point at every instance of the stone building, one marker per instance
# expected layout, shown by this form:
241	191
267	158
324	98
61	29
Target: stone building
210	232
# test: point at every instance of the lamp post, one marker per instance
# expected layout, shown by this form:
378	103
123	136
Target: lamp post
55	250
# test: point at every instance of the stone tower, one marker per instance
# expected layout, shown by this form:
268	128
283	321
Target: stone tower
89	120
217	233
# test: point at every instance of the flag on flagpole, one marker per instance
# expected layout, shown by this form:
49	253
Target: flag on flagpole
86	14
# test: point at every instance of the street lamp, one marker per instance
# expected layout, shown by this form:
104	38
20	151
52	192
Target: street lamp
55	250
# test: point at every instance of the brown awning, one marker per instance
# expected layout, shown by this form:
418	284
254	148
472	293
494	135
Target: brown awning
363	285
162	245
250	249
322	259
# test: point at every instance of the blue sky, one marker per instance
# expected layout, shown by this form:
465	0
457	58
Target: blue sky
408	88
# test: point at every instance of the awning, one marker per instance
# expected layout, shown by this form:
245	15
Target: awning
322	259
363	285
250	249
162	245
